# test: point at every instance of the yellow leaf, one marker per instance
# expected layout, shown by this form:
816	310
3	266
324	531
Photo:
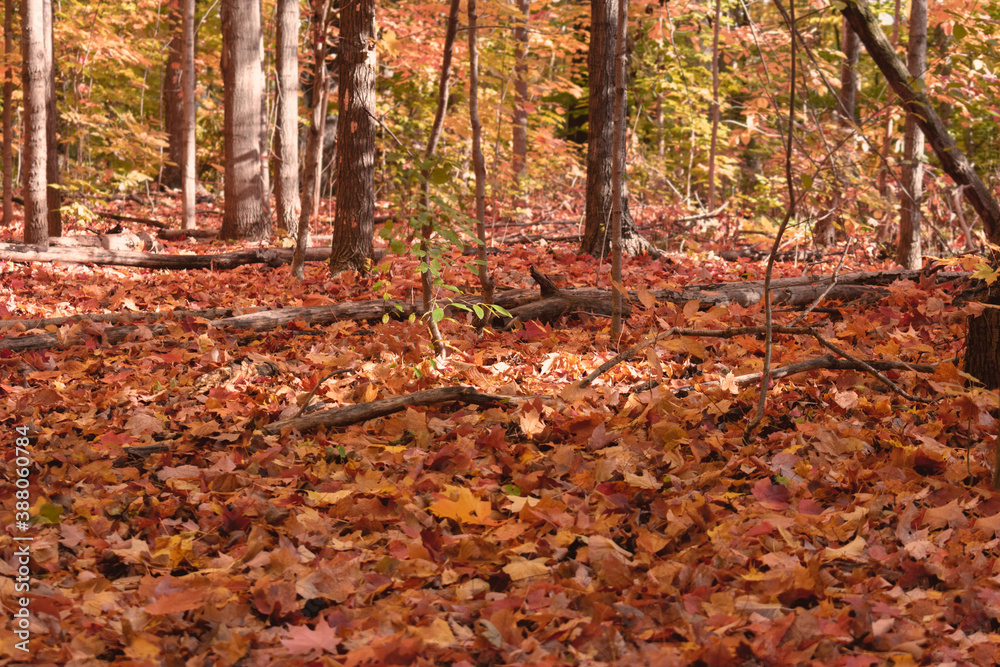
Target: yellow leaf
462	506
525	569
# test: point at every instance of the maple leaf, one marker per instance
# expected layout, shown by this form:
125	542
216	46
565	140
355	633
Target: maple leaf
302	640
459	504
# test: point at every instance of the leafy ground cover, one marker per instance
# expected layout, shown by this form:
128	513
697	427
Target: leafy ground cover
607	525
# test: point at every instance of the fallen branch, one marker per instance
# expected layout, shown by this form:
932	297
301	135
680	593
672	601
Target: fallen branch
353	414
744	331
825	362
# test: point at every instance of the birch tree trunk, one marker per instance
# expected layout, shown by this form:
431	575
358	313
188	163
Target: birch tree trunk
34	76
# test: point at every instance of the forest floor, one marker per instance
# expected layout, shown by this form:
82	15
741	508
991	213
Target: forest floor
617	524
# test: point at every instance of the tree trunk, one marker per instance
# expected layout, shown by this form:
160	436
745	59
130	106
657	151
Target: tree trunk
173	99
600	64
189	157
519	125
982	343
245	214
479	164
286	156
353	226
715	106
34	77
8	115
53	194
618	153
909	253
314	148
916	102
851	46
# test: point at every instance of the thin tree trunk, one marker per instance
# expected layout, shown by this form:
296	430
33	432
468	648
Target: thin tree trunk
519	125
600	65
34	76
245	214
8	114
486	284
173	99
314	146
189	159
286	184
265	126
916	102
444	83
53	193
883	175
618	168
851	46
354	224
715	106
909	253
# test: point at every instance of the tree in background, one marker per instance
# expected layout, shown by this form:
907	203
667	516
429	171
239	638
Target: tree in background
245	216
189	157
8	114
317	130
851	46
53	194
909	253
600	64
34	78
286	153
354	225
172	97
519	124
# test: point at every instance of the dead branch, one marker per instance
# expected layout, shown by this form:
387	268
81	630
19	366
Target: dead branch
353	414
744	331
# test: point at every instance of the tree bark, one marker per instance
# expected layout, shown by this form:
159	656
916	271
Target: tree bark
909	253
53	194
982	343
189	156
34	76
600	64
287	136
173	99
618	153
8	115
245	214
353	226
851	46
953	160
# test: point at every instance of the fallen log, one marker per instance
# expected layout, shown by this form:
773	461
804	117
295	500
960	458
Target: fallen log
272	257
115	318
523	304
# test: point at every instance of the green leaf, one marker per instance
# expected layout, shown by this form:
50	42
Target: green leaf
478	310
437	314
807	181
440	175
960	31
500	310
